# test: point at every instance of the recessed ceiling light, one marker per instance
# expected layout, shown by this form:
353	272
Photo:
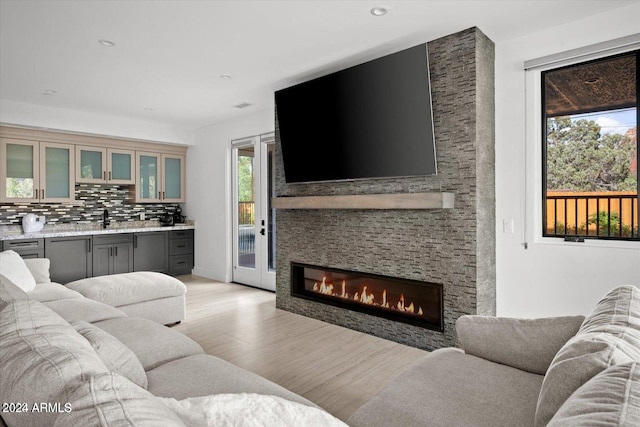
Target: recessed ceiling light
107	43
49	92
379	10
225	76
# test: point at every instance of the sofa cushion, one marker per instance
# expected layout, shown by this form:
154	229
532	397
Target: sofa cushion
152	343
72	309
112	400
9	292
42	360
26	316
527	344
210	375
115	355
129	288
619	308
14	268
39	269
582	358
51	291
611	398
450	388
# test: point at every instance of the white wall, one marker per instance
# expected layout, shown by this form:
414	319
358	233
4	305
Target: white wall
18	113
209	190
549	278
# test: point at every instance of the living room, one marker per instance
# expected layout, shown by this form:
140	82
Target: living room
531	276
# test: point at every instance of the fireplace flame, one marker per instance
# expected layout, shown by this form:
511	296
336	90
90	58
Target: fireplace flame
366	297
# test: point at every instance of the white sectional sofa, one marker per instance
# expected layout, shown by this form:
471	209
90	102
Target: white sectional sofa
66	360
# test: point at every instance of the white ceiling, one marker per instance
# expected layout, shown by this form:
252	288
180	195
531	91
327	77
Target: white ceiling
169	55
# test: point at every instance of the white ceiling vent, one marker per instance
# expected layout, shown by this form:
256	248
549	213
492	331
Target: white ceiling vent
242	105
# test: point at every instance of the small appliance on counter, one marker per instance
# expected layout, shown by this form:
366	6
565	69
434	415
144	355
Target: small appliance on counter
178	218
32	223
166	220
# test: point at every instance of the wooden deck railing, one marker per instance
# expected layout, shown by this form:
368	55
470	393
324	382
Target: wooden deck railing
592	214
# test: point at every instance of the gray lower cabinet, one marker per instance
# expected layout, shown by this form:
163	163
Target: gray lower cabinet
71	258
27	248
112	254
180	252
151	251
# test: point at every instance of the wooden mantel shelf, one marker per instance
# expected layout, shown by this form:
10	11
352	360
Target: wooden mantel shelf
433	200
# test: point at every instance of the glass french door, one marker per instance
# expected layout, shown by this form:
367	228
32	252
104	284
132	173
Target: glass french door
253	216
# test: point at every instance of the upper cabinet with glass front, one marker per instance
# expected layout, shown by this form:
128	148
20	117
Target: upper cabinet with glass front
104	165
160	178
32	171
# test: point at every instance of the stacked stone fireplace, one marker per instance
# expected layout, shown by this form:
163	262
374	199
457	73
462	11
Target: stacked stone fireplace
451	249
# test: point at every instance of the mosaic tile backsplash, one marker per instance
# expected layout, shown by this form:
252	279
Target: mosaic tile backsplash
91	201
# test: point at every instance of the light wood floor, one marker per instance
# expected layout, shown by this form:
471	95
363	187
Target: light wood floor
336	368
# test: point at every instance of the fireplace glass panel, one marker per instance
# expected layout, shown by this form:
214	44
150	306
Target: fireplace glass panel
409	301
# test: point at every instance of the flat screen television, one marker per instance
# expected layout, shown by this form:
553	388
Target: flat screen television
372	120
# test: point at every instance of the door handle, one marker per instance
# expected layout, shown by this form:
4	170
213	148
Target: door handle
262	231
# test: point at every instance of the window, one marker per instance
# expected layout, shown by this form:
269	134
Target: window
590	149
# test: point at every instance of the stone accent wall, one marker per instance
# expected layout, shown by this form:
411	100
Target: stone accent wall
455	247
91	201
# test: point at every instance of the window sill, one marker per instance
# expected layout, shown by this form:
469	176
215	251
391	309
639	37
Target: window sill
589	243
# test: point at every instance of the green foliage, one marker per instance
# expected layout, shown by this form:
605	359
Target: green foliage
609	224
245	179
581	158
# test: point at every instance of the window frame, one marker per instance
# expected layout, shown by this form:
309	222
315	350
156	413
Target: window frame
541	118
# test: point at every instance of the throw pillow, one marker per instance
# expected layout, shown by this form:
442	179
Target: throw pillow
115	355
620	308
14	268
9	292
112	400
526	344
611	398
39	268
582	358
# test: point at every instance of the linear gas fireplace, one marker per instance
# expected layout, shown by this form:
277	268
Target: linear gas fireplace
403	300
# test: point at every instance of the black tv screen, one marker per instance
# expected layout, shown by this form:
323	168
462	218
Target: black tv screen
373	120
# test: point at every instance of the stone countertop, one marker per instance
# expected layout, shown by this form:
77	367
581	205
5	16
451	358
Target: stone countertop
14	232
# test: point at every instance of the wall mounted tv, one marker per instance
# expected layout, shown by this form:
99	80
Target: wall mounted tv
372	120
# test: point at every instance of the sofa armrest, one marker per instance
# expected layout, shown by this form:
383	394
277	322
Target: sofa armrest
526	344
39	268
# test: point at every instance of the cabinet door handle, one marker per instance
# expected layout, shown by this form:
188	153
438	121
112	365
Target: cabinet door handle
116	248
109	175
42	193
35	193
135	241
88	246
104	175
